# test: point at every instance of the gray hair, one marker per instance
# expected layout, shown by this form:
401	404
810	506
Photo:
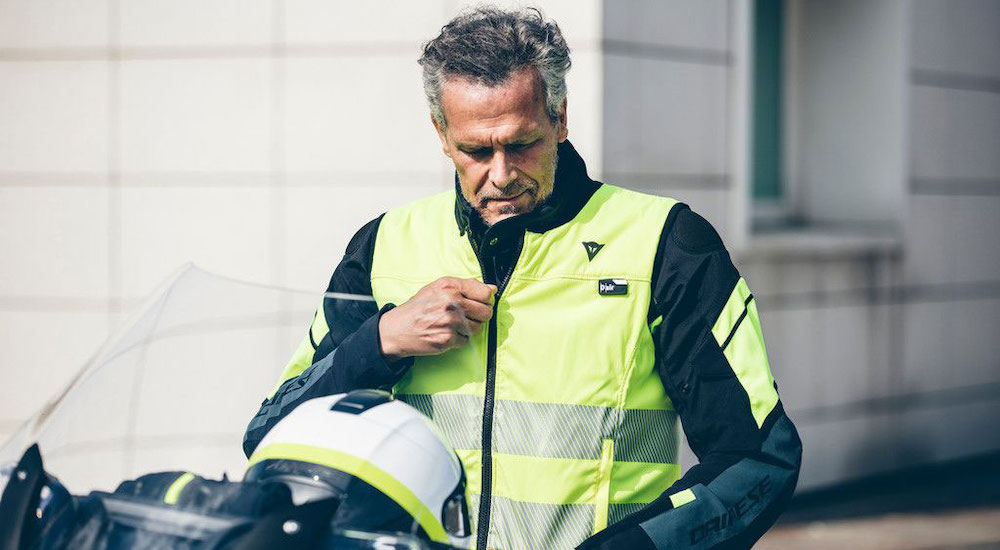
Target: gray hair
487	44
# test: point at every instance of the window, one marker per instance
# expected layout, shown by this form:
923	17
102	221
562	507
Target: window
766	120
826	113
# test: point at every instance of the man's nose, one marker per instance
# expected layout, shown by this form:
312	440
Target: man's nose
502	172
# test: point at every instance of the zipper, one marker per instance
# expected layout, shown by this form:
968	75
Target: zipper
486	467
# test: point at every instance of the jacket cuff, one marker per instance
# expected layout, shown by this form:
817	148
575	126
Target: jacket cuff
359	360
632	537
395	368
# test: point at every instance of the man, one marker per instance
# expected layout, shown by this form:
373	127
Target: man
555	327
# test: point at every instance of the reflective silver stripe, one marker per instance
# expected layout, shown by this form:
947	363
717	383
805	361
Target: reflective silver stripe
551	430
618	512
516	525
648	435
457	416
554	430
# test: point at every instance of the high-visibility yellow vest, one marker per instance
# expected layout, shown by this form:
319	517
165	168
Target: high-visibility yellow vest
582	431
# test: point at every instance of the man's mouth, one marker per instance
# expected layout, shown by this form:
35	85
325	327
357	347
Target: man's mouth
504	200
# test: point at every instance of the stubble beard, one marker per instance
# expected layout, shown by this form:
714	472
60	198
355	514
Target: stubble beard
531	188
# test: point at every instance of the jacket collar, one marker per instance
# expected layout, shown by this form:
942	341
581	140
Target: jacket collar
573	188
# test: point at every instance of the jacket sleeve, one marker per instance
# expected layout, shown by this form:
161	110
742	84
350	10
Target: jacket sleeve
714	368
340	352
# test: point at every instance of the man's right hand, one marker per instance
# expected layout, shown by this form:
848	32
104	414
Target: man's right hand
441	316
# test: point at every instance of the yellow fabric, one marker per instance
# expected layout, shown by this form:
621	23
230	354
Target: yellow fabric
174	491
637	482
681	498
748	358
319	329
362	469
544	480
558	340
731	312
603	485
303	356
745	352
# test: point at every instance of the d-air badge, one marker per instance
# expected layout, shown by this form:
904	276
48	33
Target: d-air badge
612	287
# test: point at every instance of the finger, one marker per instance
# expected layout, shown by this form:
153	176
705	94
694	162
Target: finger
475	327
458	339
476	311
476	290
464	327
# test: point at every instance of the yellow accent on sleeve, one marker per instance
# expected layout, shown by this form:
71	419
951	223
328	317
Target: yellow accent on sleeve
319	328
174	491
303	356
745	351
299	362
682	497
656	323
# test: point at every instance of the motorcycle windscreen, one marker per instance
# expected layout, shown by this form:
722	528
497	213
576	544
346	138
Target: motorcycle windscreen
177	384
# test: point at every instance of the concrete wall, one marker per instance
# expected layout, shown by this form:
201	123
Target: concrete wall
255	137
251	137
880	312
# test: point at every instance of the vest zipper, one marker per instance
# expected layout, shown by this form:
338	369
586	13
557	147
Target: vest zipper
486	468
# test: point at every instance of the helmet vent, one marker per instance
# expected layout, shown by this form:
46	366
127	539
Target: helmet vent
359	401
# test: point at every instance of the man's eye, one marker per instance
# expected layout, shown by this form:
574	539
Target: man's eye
518	147
481	152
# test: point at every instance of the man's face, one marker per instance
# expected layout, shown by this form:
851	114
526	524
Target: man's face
502	142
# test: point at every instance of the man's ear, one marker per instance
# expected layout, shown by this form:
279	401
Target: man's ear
441	136
562	132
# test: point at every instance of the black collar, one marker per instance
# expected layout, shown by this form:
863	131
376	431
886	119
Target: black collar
573	188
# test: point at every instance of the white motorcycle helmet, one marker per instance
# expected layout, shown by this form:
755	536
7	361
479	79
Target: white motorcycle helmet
388	464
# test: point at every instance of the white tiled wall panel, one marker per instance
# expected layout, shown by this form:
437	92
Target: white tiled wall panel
53	24
792	350
683	23
213	358
975	230
843	275
953	239
976	351
54	116
872	442
54	241
379	24
322	219
948	431
226	230
955	133
709	203
194	23
927	256
788	277
42	352
846	448
358	114
196	115
960	36
950	344
848	366
669	117
584	117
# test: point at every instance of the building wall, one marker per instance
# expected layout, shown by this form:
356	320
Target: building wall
254	137
880	306
250	137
